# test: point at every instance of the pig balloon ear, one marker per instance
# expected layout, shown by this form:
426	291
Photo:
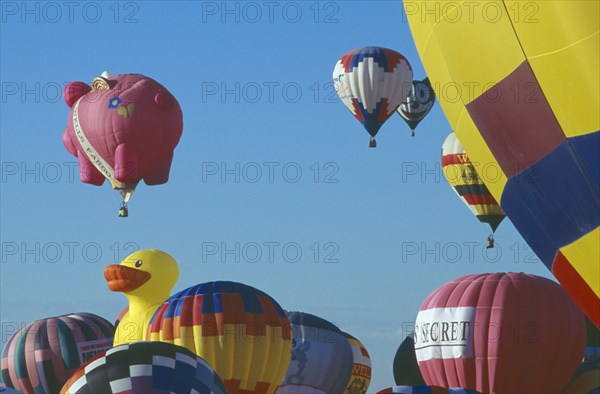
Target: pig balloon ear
73	91
163	101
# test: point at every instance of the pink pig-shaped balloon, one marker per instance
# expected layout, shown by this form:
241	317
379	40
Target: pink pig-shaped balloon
123	128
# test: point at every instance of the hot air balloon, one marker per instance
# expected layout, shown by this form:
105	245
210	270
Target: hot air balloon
42	356
462	176
321	357
417	105
123	128
361	367
406	367
372	82
586	379
521	91
423	389
241	331
499	333
146	368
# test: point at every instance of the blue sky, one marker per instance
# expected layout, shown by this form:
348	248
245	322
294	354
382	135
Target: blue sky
355	235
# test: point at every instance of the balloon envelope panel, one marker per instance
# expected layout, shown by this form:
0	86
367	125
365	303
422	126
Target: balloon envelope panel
526	101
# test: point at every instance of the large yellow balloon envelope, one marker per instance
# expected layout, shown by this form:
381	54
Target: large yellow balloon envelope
242	332
519	83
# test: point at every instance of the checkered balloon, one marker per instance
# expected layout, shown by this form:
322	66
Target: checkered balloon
146	368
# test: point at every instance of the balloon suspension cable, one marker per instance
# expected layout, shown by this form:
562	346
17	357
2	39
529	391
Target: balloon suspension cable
372	143
126	193
490	241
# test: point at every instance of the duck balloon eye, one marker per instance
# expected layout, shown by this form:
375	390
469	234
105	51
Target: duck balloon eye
139	263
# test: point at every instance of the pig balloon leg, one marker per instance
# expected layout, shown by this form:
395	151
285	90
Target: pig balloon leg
159	173
127	164
88	173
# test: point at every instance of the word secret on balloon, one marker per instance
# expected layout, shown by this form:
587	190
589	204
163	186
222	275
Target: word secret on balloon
445	331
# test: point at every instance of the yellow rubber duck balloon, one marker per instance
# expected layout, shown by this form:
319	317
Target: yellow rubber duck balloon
146	277
518	82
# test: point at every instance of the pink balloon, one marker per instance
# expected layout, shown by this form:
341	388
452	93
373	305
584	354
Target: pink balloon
133	124
500	333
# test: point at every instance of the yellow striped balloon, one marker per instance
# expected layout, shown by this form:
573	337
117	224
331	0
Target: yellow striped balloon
468	185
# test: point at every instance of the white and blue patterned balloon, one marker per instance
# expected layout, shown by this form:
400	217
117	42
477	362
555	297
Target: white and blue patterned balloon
372	82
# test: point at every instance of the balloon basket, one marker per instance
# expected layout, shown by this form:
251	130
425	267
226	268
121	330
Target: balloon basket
123	211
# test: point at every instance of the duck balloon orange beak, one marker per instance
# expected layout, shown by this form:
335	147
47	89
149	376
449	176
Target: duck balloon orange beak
125	279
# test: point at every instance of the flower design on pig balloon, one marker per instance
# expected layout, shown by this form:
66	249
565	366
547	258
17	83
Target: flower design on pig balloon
114	102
